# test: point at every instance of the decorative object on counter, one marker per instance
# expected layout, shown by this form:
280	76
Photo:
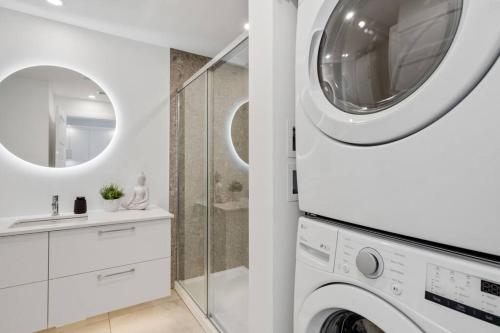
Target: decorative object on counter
140	198
111	194
219	189
80	205
235	189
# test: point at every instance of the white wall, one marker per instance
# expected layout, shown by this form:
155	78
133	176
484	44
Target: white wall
136	78
24	118
273	220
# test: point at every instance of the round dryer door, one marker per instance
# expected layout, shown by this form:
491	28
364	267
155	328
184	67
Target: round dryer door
381	70
341	308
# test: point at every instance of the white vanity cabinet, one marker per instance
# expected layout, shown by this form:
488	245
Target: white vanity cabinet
91	249
100	269
23	259
23	283
58	274
23	309
81	296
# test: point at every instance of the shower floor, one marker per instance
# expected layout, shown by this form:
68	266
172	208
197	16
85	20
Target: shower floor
229	297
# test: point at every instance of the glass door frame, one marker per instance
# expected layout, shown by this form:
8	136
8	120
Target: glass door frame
211	150
180	92
209	117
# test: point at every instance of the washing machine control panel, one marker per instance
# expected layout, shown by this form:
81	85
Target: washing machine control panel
383	267
430	281
469	294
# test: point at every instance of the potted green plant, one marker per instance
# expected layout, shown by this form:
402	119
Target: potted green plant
111	194
235	188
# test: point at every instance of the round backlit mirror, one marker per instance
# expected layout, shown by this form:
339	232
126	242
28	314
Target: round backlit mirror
239	131
54	117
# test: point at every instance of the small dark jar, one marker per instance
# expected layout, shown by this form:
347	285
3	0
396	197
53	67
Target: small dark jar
80	205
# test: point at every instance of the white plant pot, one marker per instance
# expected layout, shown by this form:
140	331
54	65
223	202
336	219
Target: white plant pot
111	205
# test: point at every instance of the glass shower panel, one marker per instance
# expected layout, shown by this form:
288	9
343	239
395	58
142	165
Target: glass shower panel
192	216
228	191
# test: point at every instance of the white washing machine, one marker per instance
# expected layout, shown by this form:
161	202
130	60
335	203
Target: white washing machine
398	117
348	281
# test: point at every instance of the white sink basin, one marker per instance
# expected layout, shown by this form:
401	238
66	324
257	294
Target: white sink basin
48	220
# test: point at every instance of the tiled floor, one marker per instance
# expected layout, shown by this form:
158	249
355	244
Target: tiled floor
168	315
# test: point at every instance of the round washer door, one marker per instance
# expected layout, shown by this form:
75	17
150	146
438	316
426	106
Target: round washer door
377	71
341	308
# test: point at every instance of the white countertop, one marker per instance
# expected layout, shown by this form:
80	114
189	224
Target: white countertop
95	218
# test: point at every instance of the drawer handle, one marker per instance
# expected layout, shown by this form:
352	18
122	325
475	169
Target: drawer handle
102	232
102	277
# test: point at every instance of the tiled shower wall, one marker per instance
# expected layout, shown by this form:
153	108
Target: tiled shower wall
229	228
182	66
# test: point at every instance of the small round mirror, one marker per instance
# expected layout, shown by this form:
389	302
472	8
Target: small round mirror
239	131
54	117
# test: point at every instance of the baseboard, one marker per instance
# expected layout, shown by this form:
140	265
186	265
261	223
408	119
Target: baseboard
205	323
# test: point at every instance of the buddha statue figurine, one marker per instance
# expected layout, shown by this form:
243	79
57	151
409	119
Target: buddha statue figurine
140	198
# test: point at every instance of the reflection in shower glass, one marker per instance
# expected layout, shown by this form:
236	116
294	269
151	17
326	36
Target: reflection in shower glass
213	160
228	192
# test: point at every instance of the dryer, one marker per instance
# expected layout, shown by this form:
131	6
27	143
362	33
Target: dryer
398	116
353	281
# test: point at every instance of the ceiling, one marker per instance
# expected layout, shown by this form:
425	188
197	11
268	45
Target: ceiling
200	26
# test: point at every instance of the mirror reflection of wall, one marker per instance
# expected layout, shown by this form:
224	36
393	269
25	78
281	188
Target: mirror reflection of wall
54	117
239	132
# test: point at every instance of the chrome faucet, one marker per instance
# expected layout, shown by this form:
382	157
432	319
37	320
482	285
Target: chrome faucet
55	205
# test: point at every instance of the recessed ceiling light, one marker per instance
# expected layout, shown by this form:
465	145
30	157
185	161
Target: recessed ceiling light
56	2
349	15
92	96
361	24
247	26
328	56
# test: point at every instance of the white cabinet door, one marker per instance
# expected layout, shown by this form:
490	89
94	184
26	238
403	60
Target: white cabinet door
82	296
89	249
23	309
23	259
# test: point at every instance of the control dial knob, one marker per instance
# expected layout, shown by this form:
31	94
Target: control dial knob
370	263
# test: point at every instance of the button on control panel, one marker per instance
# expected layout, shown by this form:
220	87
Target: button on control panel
396	289
465	293
370	263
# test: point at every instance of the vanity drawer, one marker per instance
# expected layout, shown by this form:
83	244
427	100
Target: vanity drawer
23	308
89	249
82	296
23	259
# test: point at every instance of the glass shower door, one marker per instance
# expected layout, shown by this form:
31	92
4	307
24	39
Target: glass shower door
228	191
212	219
193	190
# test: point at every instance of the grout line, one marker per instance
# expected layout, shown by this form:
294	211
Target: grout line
109	323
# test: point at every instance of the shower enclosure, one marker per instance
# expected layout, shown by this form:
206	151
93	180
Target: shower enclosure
212	157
